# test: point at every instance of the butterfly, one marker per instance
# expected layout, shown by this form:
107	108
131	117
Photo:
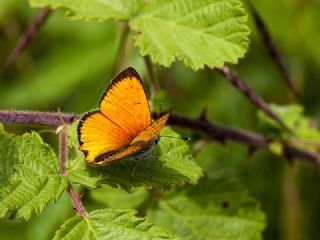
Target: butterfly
122	126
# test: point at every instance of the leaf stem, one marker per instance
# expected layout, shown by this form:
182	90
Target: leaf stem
121	47
152	80
28	35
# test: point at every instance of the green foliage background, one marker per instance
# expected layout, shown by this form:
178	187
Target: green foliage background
70	62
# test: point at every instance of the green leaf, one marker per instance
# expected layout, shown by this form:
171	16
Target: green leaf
118	198
110	224
92	9
303	130
29	175
167	164
215	209
198	32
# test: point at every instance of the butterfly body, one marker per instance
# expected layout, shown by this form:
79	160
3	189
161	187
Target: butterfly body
122	126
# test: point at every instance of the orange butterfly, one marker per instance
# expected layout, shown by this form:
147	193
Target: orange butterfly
122	126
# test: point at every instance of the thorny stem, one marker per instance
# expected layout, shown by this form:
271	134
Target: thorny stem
272	50
152	80
28	35
76	202
249	93
202	125
36	118
63	153
63	148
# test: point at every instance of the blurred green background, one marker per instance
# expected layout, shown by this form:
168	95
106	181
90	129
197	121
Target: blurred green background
69	64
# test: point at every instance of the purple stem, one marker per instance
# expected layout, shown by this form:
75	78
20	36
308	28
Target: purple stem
202	125
272	50
28	35
249	93
63	149
76	202
37	118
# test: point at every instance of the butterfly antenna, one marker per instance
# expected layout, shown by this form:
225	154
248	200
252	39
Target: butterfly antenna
182	138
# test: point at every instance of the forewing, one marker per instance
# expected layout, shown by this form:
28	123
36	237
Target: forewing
125	103
139	143
98	134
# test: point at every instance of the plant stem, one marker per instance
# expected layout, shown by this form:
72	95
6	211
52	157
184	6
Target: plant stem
63	149
152	80
63	154
28	35
250	94
121	48
76	202
210	129
37	118
273	51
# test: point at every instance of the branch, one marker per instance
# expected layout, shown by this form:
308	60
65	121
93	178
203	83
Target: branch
76	202
253	140
63	148
37	118
210	129
249	93
28	35
272	50
63	154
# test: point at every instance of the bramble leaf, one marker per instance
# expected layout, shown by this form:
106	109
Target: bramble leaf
167	164
198	32
215	209
110	224
303	130
92	9
29	175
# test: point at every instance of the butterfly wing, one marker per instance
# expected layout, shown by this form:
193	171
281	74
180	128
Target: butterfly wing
125	103
152	131
139	143
124	113
97	135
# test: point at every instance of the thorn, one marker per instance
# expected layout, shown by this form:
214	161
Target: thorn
222	141
251	151
203	114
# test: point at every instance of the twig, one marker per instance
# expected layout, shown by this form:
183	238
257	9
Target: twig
249	93
63	154
202	125
76	202
36	118
63	148
273	51
152	80
28	35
